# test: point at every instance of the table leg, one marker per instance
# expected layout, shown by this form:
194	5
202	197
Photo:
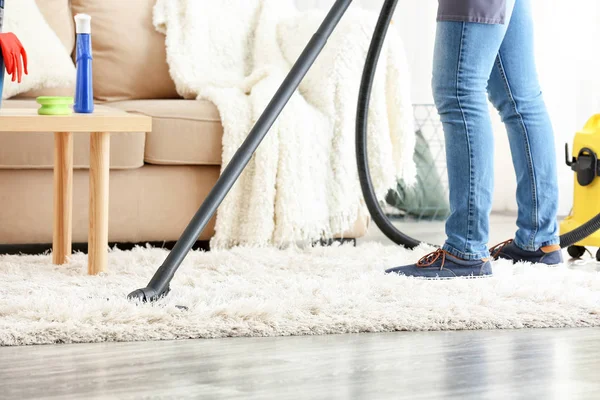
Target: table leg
63	197
99	184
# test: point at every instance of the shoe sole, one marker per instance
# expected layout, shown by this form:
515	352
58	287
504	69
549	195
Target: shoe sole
530	262
452	278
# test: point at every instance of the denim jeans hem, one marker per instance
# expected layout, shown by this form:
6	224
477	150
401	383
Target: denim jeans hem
465	256
552	242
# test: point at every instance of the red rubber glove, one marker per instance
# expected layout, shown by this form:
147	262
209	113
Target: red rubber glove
13	51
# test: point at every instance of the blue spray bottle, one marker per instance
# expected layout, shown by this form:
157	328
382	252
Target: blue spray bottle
84	91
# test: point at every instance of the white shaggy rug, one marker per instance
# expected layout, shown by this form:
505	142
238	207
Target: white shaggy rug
267	292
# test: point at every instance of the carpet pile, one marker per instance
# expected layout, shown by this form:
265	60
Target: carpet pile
268	292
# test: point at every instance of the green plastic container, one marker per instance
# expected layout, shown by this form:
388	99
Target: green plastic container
54	105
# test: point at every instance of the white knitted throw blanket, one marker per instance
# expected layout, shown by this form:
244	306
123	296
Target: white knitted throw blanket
302	184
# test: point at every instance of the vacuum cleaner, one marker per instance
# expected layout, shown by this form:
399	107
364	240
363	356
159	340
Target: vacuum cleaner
585	165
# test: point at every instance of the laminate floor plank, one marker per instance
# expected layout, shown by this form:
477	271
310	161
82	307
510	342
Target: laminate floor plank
521	364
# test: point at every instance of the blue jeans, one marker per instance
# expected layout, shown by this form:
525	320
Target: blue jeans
475	62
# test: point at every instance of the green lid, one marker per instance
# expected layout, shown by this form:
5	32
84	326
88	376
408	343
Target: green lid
55	105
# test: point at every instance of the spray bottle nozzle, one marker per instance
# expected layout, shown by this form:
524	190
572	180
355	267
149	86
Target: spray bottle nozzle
83	24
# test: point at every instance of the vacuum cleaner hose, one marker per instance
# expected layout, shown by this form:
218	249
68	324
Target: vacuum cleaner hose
362	120
577	235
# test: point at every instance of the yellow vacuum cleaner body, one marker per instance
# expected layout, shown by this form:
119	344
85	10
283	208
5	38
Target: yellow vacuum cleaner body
585	163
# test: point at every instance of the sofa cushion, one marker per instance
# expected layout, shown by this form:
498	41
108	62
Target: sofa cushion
184	132
58	15
129	55
50	64
36	150
152	203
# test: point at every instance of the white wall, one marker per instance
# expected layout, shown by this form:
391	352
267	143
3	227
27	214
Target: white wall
567	36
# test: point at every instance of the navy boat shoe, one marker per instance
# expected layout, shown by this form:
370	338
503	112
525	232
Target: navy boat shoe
551	255
442	265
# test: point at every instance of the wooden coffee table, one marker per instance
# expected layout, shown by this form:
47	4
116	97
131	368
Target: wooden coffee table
100	124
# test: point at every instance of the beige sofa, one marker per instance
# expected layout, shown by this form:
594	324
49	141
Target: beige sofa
158	178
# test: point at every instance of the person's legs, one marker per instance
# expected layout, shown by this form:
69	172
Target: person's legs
465	54
515	91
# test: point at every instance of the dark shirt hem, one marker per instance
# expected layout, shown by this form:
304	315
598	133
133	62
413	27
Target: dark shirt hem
463	18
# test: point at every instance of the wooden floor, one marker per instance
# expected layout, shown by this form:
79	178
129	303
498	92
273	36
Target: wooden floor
541	364
524	364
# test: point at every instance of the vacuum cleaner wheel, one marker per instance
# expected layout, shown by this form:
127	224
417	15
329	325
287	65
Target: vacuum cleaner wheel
578	251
